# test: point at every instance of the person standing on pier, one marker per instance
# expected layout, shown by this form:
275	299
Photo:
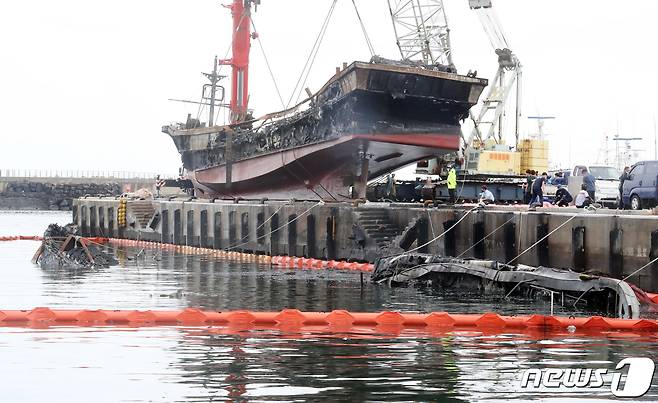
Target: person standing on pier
158	185
452	184
390	186
590	184
529	179
538	189
622	179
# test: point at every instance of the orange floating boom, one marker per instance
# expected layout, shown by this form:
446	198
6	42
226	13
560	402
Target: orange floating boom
284	261
341	318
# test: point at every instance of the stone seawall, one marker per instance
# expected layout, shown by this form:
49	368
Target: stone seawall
38	195
57	193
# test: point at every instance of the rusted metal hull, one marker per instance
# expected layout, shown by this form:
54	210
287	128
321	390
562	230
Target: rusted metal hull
320	171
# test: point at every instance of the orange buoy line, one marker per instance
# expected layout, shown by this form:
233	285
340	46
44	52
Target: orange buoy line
284	261
40	238
21	238
301	262
338	318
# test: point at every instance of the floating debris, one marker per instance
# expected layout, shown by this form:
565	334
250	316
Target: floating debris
582	292
62	247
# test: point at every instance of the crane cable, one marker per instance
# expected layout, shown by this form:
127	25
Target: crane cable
317	50
311	56
267	63
363	28
492	28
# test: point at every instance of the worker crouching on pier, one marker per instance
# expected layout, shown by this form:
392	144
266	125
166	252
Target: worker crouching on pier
562	197
486	197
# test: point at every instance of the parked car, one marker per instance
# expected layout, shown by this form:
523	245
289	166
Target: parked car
607	183
640	188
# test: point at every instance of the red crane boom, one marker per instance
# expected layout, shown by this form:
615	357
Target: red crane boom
241	44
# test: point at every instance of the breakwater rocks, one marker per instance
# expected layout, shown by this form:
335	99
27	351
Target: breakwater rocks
48	195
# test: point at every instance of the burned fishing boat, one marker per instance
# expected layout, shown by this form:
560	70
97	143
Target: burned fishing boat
63	247
370	118
603	295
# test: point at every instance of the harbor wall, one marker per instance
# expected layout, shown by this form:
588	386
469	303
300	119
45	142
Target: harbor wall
57	193
607	242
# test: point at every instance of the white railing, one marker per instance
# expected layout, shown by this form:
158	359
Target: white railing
79	173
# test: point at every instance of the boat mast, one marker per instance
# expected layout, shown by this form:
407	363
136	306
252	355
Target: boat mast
212	100
241	43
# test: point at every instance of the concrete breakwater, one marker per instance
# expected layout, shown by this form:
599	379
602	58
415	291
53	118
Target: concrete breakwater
57	193
606	241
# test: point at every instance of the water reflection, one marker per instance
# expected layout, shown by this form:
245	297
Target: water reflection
454	365
289	363
348	368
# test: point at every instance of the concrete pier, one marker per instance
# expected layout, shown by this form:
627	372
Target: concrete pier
606	241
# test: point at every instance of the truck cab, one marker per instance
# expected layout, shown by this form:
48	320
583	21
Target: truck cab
607	183
640	186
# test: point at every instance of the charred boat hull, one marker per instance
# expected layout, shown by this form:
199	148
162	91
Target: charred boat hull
326	170
366	121
599	294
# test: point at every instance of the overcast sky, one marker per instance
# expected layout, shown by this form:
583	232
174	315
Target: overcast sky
84	83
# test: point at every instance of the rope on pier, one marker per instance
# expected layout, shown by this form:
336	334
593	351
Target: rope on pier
544	237
334	321
640	269
487	236
441	234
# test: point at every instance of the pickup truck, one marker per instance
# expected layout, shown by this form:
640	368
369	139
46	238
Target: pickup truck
607	183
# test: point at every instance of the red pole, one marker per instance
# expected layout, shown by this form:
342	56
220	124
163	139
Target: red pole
241	44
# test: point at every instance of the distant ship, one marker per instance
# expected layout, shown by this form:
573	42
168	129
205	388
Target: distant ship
369	119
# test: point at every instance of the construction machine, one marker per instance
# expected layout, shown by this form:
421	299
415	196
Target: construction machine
422	31
485	151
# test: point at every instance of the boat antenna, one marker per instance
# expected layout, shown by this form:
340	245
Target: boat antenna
209	94
214	79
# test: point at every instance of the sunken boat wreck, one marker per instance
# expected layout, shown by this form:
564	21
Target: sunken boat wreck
63	248
583	292
369	119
